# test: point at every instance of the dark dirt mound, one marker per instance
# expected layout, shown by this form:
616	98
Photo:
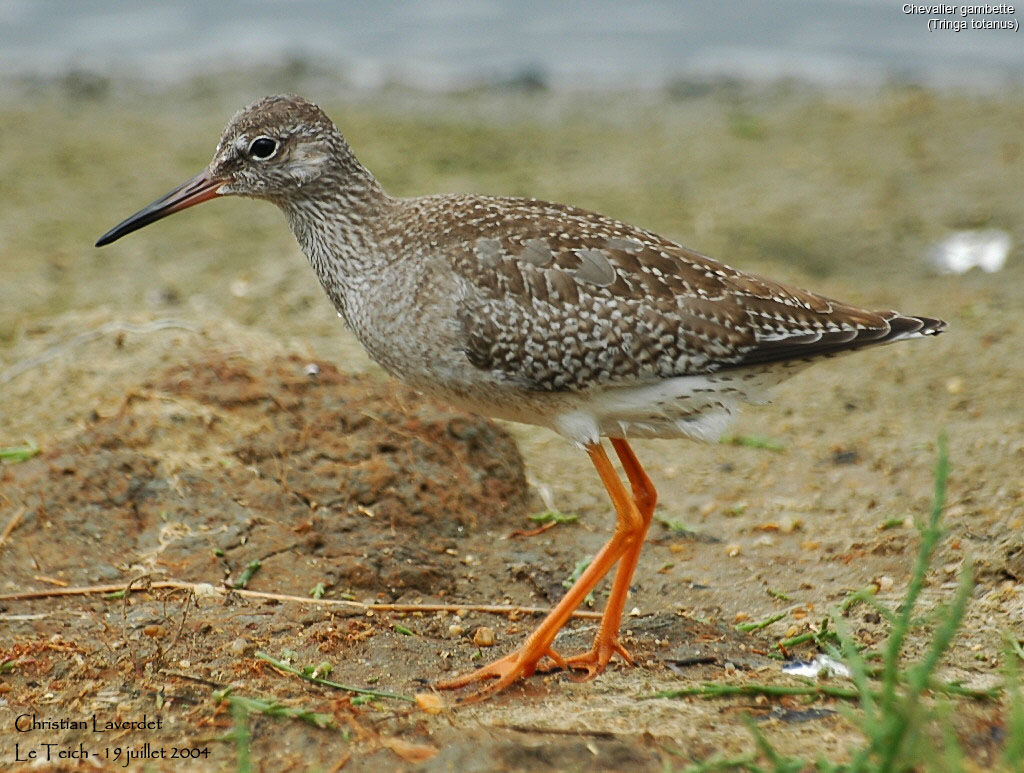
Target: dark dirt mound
219	462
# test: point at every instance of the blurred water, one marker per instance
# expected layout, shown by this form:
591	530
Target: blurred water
456	43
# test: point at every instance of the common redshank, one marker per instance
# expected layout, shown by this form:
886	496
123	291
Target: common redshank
533	312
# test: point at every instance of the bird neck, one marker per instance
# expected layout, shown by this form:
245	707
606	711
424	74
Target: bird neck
336	222
332	215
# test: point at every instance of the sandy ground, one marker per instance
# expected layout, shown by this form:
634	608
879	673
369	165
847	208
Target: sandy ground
198	406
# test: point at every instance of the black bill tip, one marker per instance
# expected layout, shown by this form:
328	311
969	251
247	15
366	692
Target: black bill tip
200	188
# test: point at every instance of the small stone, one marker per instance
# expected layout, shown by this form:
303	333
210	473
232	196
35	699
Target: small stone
885	582
156	631
455	629
789	524
483	637
237	646
733	550
955	385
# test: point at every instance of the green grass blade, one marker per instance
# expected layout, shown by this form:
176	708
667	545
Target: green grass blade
282	666
18	453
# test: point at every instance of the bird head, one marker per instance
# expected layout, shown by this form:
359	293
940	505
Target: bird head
274	149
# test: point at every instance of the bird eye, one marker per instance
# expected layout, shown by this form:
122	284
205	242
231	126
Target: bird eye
262	148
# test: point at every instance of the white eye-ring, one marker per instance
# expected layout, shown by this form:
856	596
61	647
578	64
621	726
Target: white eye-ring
263	148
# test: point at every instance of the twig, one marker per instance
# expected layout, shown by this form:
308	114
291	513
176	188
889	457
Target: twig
204	589
56	350
341	763
532	532
579	732
547	520
12	524
52	580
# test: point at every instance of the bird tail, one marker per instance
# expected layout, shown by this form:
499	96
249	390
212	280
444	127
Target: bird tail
903	326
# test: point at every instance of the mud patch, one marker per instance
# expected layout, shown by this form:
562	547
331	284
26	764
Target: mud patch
344	481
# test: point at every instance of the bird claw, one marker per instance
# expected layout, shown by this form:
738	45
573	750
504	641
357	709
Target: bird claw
594	660
521	664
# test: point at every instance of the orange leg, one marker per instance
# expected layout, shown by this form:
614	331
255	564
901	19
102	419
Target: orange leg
606	643
630	528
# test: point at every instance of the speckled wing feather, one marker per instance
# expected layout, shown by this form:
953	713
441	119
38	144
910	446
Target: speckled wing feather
558	298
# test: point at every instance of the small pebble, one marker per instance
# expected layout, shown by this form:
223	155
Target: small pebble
205	590
733	550
455	629
156	631
789	524
483	637
237	646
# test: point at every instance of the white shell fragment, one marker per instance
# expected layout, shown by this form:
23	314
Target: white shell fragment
821	667
963	250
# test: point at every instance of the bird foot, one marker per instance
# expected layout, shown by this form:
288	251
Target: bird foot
523	663
593	661
519	664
